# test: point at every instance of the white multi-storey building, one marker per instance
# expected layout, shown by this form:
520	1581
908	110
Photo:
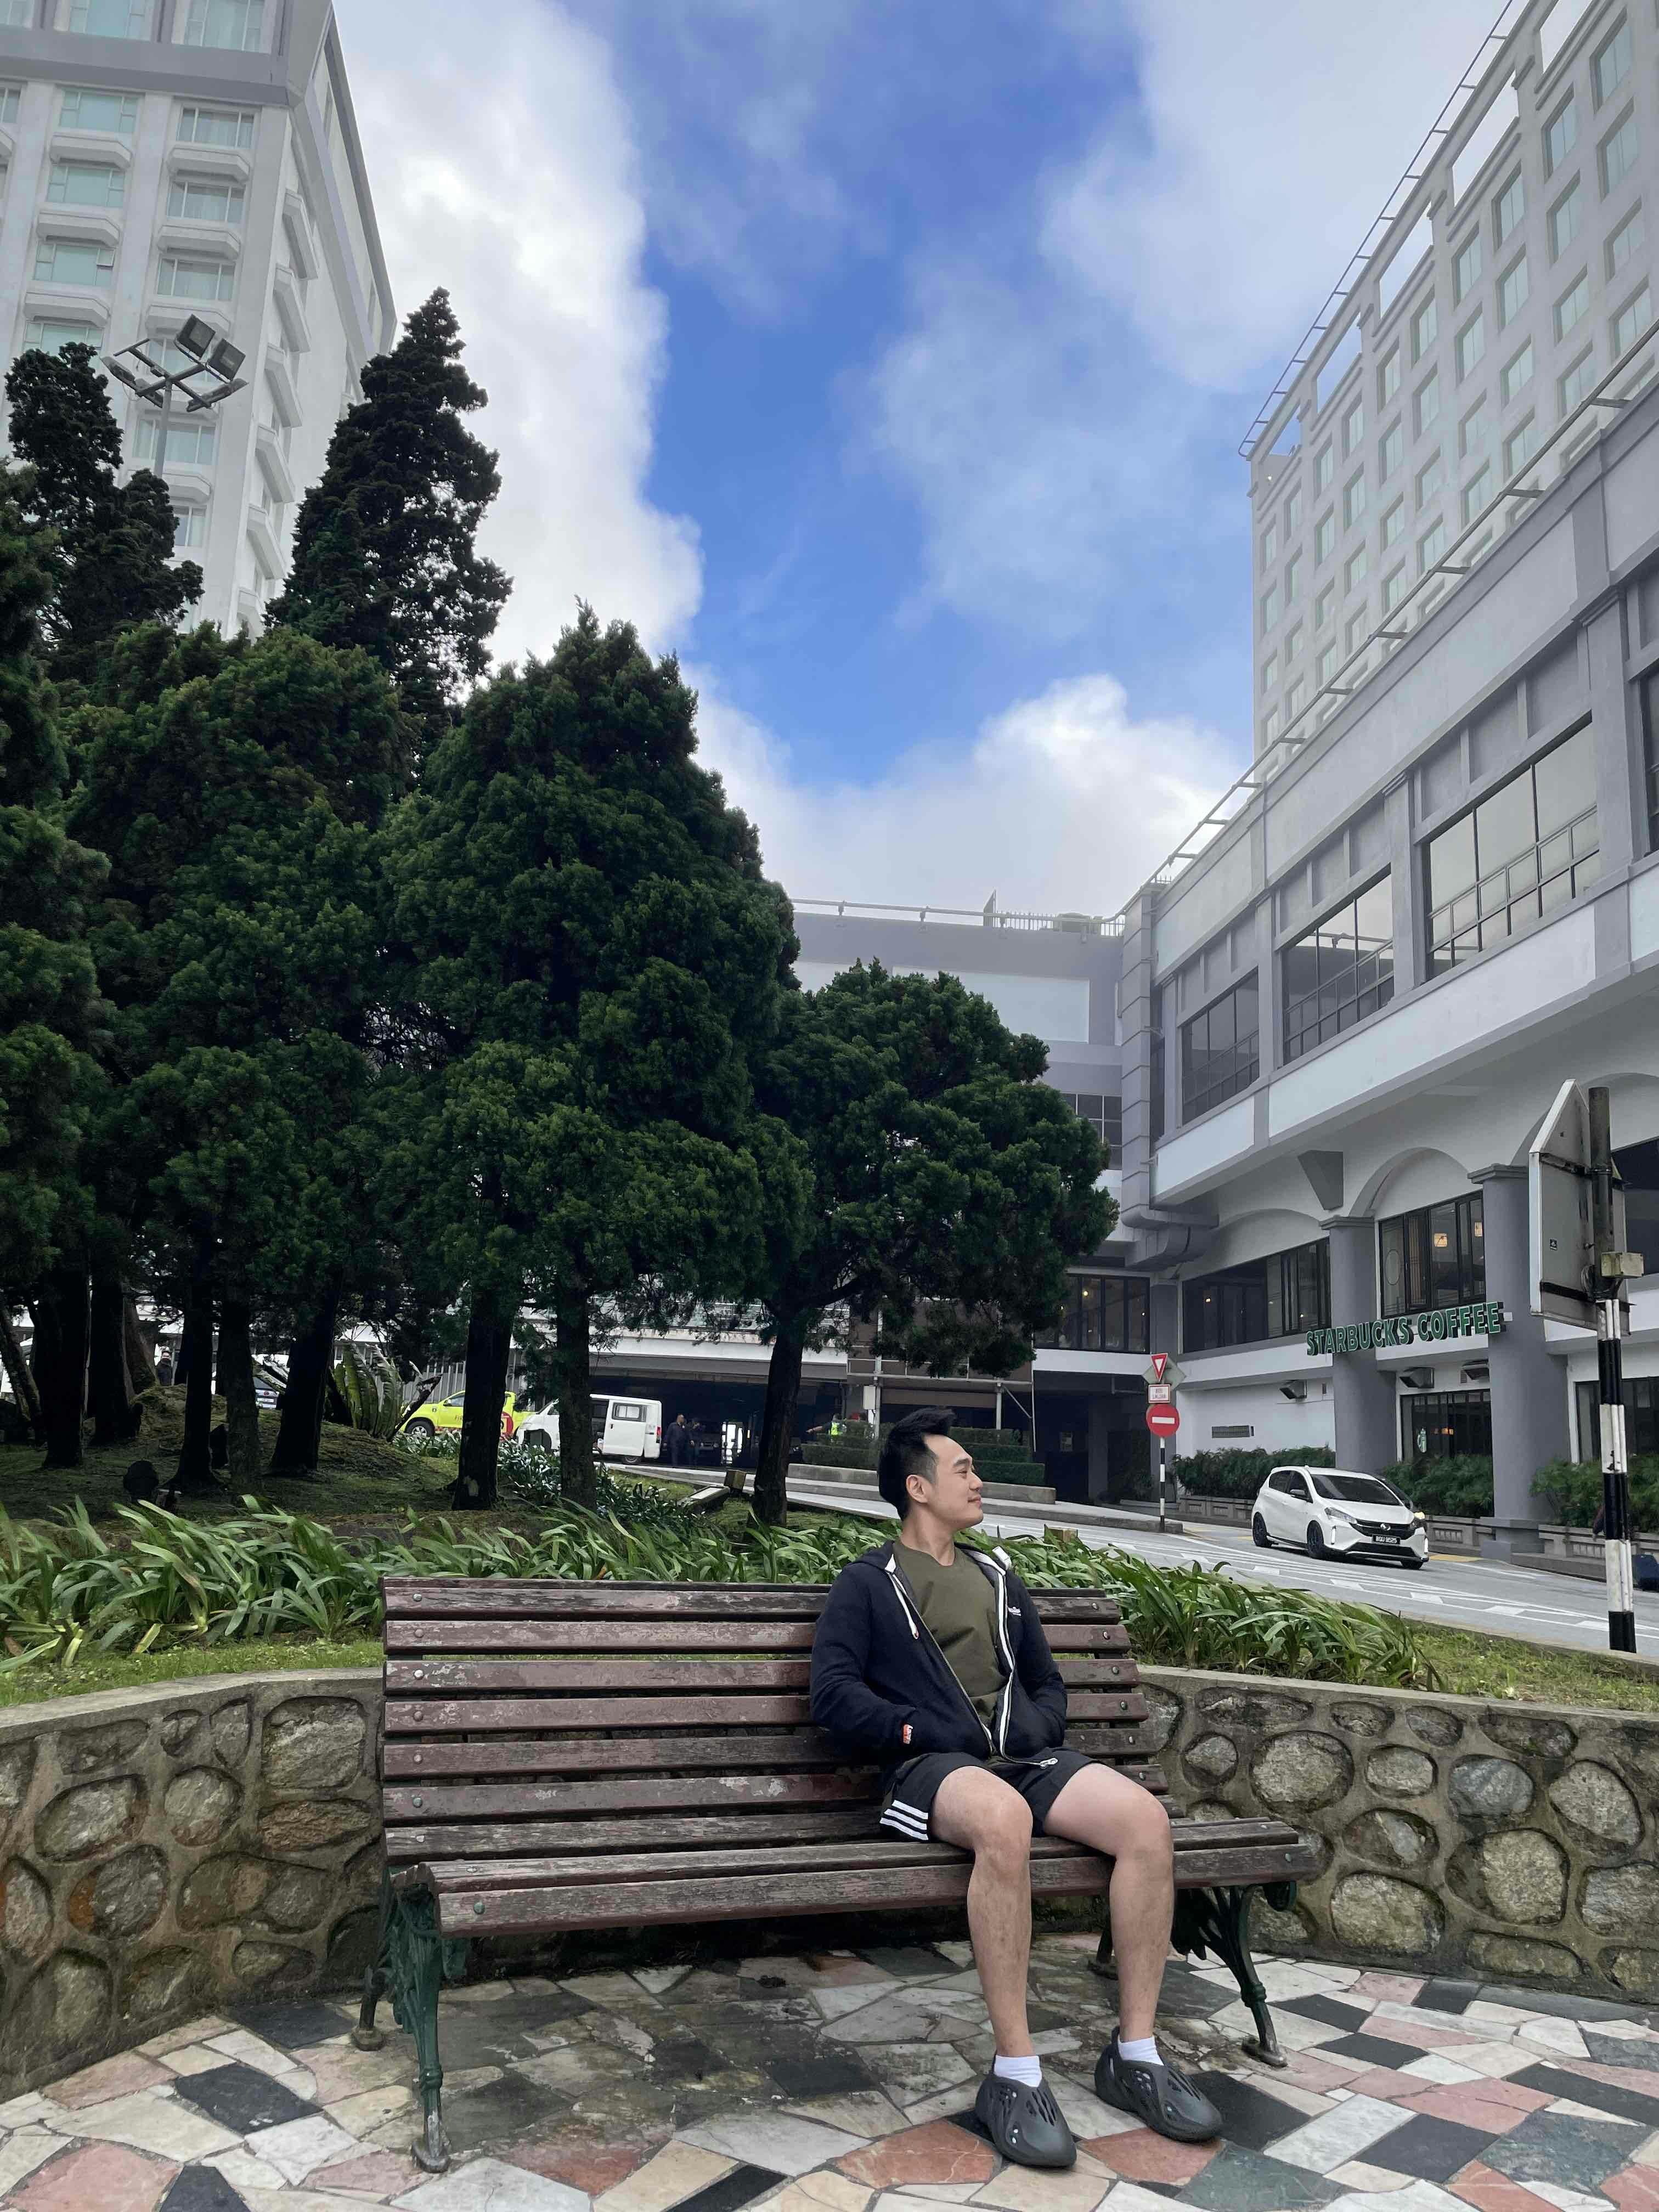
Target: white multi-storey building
161	158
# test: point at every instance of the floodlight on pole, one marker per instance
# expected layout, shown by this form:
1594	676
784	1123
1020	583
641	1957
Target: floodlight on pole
207	380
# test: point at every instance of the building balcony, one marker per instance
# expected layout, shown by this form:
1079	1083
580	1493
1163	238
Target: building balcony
222	241
279	375
302	243
90	146
103	224
263	539
285	291
185	158
274	465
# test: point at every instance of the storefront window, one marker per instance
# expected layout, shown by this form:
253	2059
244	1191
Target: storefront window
1104	1313
1525	850
1434	1257
1339	971
1283	1295
1641	1417
1446	1425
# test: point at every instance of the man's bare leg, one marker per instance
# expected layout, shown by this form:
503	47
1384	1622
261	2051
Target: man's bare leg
974	1809
1116	1817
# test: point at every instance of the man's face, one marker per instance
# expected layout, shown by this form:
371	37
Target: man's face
954	1493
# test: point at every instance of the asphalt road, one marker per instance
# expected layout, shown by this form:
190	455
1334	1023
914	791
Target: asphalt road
1459	1592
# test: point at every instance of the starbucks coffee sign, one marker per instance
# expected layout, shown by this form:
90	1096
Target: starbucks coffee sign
1410	1328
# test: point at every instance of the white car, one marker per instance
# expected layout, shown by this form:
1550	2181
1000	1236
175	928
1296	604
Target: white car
623	1428
1324	1510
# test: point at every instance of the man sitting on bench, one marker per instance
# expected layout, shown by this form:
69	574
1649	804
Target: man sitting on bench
932	1660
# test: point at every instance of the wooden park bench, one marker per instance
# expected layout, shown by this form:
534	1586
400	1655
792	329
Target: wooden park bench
560	1756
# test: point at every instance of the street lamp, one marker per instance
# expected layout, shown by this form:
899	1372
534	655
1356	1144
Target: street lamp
212	376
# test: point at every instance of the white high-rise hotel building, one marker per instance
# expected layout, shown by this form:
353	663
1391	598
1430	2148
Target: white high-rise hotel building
166	158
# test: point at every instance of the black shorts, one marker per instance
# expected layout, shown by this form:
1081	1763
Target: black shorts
907	1809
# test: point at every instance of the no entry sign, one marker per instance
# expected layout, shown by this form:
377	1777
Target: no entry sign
1163	1420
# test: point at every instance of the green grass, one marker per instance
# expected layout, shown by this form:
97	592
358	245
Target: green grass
113	1670
1510	1669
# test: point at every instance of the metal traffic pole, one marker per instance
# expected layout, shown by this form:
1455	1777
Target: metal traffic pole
1162	1478
1610	1263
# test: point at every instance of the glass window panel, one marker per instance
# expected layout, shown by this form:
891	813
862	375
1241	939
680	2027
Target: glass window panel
1504	824
1612	65
1561	135
1577	382
1428	404
86	109
1430	480
1466	267
1425	327
1618	150
1633	319
1517	373
49	335
74	261
1572	306
1565	778
86	184
1566	220
1513	289
111	19
1508	208
233	23
215	126
1625	243
1451	862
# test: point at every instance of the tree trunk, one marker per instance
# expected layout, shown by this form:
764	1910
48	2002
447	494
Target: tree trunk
115	1416
141	1360
573	1363
310	1361
236	1386
196	1475
61	1323
17	1371
778	1422
489	1349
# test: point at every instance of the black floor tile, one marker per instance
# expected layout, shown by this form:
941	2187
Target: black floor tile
830	2074
1622	2103
1431	2150
1373	2048
199	2189
1331	2010
1621	2050
241	2098
1240	2180
502	2110
292	2026
1558	2006
1556	2147
1439	1994
1184	1991
741	2186
1251	2118
911	1962
683	2058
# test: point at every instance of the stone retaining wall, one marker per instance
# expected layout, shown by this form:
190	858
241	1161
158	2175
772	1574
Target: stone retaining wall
1509	1842
167	1850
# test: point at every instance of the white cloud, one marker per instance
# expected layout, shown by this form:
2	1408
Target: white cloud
503	167
1062	802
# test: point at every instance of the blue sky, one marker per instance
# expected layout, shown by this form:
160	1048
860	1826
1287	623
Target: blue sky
888	361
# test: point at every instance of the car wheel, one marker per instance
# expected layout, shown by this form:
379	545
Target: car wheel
1413	1562
1259	1533
422	1428
1315	1541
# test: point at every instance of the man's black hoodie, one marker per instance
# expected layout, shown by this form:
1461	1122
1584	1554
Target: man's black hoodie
882	1685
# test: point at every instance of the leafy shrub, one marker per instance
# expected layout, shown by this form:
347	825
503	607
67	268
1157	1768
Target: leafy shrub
1461	1486
1570	1490
368	1388
1241	1473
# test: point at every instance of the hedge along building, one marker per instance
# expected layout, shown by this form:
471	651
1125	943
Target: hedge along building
1349	999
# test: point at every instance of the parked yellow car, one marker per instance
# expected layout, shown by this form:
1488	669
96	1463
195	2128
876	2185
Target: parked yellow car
445	1413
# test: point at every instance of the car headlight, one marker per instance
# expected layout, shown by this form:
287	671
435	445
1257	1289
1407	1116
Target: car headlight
1337	1514
1421	1519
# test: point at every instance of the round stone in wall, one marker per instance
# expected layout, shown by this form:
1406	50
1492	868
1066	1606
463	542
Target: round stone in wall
1271	1930
1301	1771
313	1743
1164	1711
163	1982
1525	1874
222	1890
89	1817
1253	1709
296	1900
180	1732
124	1897
1596	1806
1376	1912
1391	1839
1531	1734
62	2012
1430	1725
1634	1971
1397	1771
1212	1758
1505	1957
1363	1720
1490	1788
25	1912
1621	1900
84	1751
232	1729
313	1825
272	1966
200	1805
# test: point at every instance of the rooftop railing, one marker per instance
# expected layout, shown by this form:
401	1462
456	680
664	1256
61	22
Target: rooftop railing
989	916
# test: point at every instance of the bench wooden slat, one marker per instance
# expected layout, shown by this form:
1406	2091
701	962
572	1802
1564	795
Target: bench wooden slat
442	1597
433	1677
407	1638
652	1793
507	1716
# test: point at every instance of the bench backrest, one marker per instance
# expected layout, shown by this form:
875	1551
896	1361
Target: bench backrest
532	1718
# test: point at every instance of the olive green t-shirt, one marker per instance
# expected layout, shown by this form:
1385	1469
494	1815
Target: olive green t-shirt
958	1608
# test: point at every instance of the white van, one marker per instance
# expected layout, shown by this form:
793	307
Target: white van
623	1428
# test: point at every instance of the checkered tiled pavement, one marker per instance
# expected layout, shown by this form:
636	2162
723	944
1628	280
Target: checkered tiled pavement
841	2082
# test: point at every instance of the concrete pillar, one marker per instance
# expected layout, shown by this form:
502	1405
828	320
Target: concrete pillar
1362	1393
1405	884
1529	1389
1165	1318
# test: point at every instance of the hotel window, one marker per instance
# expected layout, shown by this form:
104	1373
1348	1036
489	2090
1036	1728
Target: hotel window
1426	403
1270	672
74	261
1627	241
1577	382
1327	666
183	277
1293	513
1219	1054
1566	220
1324	536
1436	1256
1477	495
18	15
1339	971
1269	546
1353	499
1517	373
1560	136
1512	289
1521	445
1323	606
1354	427
205	199
1293	644
1387	377
1394	589
1270	607
50	334
1522	853
115	114
1293	579
1473	431
1612	65
189	525
1572	306
1425	327
1104	1313
1353	636
1430	547
215	126
1391	450
1286	1294
238	24
1471	344
1324	468
1393	525
1508	208
1356	567
191	444
1632	318
1618	154
111	19
1103	1112
1467	268
1270	725
87	184
1431	478
1296	699
11	97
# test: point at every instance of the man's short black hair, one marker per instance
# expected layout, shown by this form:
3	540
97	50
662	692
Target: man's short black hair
906	1453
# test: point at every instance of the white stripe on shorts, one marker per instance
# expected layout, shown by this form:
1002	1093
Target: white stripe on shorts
908	1824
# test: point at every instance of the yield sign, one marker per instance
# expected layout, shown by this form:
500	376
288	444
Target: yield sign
1160	1361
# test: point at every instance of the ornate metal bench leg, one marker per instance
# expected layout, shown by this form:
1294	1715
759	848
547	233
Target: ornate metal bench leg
1219	1920
1102	1961
419	1961
365	2035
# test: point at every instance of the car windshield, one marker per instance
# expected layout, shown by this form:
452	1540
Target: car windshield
1355	1489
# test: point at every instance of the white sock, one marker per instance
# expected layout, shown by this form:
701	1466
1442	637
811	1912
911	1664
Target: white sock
1143	2049
1028	2071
